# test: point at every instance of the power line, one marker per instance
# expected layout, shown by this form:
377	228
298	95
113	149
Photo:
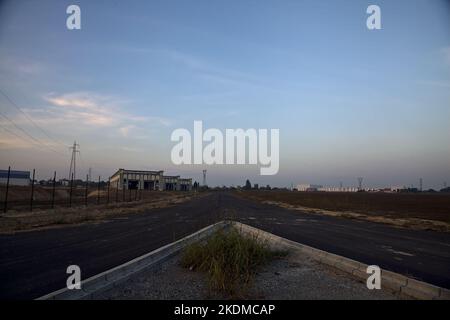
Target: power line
13	133
30	119
29	135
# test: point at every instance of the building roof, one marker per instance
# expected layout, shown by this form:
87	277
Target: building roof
15	174
138	171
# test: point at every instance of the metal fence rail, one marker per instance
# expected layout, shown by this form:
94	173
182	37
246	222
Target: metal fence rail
16	197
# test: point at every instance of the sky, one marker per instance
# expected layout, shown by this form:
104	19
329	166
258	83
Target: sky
348	101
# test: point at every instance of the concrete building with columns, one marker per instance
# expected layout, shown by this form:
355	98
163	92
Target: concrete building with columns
148	180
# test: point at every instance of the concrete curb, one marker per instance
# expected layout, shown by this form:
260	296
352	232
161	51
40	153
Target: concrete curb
117	275
402	285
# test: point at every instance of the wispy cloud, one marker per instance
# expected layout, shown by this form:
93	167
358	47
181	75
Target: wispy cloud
76	114
126	129
96	110
21	66
201	67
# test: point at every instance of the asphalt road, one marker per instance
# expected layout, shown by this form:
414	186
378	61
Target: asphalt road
34	263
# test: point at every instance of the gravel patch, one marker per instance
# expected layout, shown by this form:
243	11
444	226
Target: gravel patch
294	277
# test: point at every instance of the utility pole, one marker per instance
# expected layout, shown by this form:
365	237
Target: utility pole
360	180
204	178
73	161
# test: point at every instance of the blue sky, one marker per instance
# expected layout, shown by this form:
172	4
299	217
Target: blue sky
348	101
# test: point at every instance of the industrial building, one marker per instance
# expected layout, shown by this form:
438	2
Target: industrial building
16	178
317	187
148	180
308	187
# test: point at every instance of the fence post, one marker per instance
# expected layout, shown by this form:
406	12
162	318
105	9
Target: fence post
53	191
98	191
6	191
109	182
117	191
32	190
123	193
86	190
70	194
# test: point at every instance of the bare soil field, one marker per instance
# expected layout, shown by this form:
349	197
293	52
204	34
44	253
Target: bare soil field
424	211
14	221
19	197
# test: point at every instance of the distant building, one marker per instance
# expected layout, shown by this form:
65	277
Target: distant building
318	187
185	184
16	178
339	189
308	187
64	182
170	182
148	180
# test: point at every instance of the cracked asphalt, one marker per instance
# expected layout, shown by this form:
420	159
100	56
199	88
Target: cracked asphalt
34	263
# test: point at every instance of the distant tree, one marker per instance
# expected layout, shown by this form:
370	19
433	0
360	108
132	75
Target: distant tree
195	186
268	187
445	189
248	185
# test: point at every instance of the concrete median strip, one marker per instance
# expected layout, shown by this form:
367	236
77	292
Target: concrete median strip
395	282
117	275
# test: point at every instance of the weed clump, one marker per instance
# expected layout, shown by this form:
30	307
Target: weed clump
229	259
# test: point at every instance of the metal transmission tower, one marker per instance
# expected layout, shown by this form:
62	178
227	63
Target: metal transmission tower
72	169
360	181
204	178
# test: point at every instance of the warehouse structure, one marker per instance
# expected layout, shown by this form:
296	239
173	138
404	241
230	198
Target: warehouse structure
318	187
308	187
148	180
16	178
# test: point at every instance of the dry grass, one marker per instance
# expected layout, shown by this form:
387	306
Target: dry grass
19	196
415	211
24	221
229	259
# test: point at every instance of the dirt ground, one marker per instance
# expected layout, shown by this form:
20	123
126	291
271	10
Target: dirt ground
15	221
421	211
19	197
